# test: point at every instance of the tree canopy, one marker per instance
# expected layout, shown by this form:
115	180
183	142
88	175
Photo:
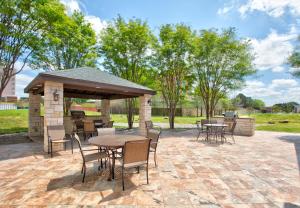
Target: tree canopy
126	48
173	66
221	63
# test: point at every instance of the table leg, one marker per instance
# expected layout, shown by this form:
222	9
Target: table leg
113	165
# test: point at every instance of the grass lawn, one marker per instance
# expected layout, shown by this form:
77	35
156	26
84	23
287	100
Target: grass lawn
12	121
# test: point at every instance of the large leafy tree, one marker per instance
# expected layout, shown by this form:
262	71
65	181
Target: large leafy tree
126	49
69	43
174	69
221	63
23	26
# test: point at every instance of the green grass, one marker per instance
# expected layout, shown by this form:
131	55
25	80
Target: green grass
13	121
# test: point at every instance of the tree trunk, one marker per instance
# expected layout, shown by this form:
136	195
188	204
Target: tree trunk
130	112
207	110
67	105
201	111
172	116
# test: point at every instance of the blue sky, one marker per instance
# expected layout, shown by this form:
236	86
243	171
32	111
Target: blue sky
271	25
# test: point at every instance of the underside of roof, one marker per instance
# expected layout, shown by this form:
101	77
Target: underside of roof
89	83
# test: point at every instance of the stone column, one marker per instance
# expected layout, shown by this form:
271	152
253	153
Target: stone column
34	122
54	114
105	110
144	112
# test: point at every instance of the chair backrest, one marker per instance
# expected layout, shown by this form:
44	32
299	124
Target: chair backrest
98	122
56	132
88	126
213	121
233	127
106	131
136	151
78	124
154	136
149	124
110	124
204	121
76	137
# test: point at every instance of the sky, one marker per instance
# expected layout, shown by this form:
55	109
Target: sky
272	26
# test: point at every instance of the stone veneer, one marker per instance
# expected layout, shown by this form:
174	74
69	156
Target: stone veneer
244	126
144	113
54	114
34	115
105	109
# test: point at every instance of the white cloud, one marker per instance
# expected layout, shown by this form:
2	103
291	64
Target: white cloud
278	91
22	80
71	5
272	52
224	10
97	24
274	8
77	5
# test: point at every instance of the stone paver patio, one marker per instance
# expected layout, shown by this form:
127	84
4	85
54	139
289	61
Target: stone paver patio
259	171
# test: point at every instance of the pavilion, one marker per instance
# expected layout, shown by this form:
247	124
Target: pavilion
84	82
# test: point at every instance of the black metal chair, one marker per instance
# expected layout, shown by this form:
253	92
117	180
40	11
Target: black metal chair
89	157
57	134
229	130
201	128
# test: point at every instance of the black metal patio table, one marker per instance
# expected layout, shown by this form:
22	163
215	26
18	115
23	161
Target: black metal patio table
215	130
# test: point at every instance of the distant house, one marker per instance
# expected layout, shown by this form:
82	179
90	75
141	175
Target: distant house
296	108
9	92
267	110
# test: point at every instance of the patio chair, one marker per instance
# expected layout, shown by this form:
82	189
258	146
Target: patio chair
229	130
57	134
109	124
154	136
98	123
79	128
104	132
201	128
135	154
89	129
88	157
149	125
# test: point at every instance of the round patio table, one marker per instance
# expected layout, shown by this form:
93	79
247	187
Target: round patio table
112	143
216	128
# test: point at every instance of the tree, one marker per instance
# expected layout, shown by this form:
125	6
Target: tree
23	25
221	63
294	60
257	104
172	62
70	43
126	49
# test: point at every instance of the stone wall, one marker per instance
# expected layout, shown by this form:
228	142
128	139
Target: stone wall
34	123
244	126
54	113
144	112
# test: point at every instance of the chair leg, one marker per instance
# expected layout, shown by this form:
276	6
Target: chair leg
51	149
48	147
72	145
147	174
65	145
198	135
138	169
155	158
123	185
84	171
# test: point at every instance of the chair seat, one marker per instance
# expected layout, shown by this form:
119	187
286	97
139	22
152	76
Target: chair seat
60	140
94	156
